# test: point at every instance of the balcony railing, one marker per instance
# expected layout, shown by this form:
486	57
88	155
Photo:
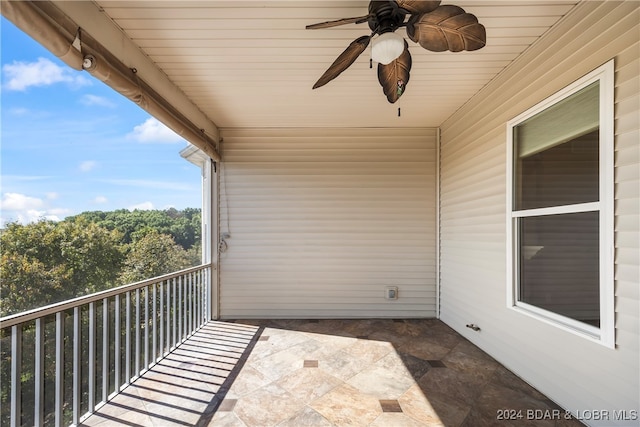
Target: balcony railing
62	362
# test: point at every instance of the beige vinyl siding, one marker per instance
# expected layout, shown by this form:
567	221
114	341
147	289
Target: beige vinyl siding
320	221
575	372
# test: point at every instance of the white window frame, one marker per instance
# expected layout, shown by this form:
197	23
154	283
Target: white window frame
605	334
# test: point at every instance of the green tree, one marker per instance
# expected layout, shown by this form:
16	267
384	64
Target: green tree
153	254
47	262
184	226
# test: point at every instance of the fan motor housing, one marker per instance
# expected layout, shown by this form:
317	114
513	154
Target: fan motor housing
387	16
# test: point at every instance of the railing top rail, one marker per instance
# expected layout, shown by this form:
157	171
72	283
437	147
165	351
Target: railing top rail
27	316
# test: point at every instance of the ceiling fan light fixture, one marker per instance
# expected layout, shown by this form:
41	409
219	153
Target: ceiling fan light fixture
387	47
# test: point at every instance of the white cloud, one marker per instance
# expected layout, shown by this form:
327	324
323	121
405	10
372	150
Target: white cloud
100	200
19	202
87	165
22	75
94	100
144	206
52	195
25	209
152	131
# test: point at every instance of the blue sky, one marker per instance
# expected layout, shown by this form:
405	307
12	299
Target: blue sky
69	143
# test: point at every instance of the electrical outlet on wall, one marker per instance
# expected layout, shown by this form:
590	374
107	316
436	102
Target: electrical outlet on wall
391	292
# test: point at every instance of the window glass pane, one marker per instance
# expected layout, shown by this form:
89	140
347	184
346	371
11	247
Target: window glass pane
559	264
562	175
576	115
556	153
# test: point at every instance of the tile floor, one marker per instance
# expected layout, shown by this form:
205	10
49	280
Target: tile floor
326	373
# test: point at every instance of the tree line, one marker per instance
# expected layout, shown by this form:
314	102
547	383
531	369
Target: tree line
46	262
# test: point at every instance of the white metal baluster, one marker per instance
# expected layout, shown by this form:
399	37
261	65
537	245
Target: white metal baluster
161	310
203	296
187	305
105	349
203	301
38	407
59	367
116	349
175	307
92	356
180	314
146	327
187	292
16	375
76	365
155	326
193	302
198	299
168	314
138	332
127	340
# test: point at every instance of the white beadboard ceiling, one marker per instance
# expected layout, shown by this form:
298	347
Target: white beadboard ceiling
249	64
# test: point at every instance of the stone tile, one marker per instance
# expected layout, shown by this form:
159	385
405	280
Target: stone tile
306	418
279	340
227	405
390	336
167	413
504	377
369	351
333	343
481	368
366	327
424	349
343	365
248	381
397	419
267	406
386	379
277	365
416	406
459	388
494	399
308	384
226	419
102	418
415	366
119	405
346	406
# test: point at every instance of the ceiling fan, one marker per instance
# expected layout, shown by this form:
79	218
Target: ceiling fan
434	27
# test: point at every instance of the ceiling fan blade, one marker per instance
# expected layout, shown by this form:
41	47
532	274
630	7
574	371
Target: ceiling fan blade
346	58
394	76
329	24
447	28
418	6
